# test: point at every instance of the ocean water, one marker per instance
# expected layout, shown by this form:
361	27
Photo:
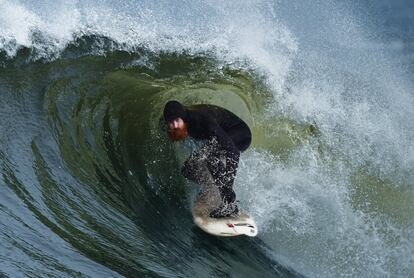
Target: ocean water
90	186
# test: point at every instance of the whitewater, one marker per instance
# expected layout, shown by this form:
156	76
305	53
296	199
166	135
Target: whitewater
90	185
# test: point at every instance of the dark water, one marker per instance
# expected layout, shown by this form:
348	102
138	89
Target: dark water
90	185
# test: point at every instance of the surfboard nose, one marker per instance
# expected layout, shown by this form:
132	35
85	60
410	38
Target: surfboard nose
247	228
227	226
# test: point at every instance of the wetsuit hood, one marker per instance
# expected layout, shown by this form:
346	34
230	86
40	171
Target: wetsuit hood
173	110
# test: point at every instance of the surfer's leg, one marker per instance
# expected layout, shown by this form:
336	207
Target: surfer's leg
217	166
229	205
189	170
207	167
194	167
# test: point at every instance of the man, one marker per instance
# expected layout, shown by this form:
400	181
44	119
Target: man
226	135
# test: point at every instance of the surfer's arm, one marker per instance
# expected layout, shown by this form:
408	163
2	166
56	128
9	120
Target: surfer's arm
222	137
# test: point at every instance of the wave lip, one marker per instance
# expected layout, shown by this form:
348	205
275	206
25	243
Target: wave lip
332	156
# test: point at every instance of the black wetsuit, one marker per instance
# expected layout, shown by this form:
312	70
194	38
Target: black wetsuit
206	121
226	134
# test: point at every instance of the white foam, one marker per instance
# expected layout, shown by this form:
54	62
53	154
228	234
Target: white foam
321	73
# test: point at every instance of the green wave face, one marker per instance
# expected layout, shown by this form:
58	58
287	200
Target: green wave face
105	114
87	155
108	117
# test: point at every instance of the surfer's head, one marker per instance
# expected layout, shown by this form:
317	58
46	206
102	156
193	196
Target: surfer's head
175	116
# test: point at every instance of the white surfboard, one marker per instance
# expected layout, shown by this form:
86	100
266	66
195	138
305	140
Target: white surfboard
231	226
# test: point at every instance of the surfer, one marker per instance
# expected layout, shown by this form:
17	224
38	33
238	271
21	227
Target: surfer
226	135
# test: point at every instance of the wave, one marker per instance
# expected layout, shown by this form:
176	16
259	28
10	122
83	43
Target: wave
91	185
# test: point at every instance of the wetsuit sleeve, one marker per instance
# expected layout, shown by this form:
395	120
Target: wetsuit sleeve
222	137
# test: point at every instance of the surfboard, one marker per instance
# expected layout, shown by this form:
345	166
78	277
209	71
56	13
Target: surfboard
226	227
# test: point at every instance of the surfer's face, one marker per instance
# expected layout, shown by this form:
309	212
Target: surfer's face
177	129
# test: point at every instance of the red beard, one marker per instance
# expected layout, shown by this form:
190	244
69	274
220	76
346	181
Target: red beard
178	134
